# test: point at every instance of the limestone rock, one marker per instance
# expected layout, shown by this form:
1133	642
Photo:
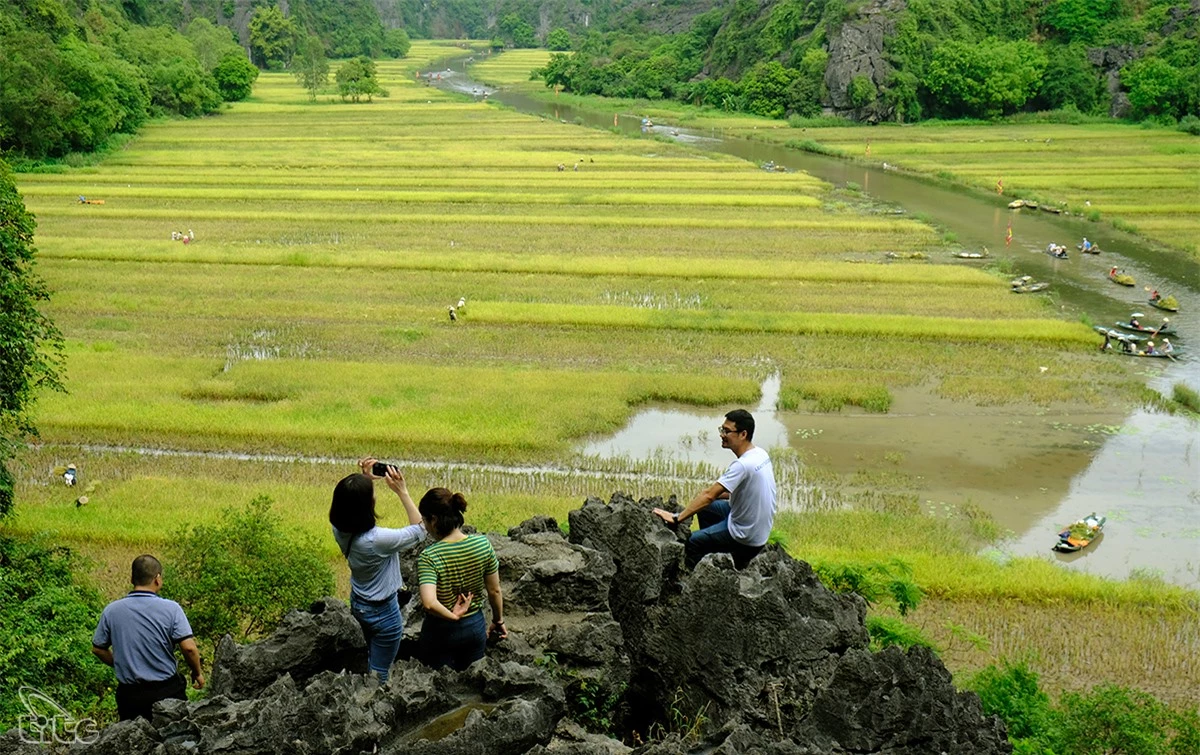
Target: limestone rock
856	49
325	638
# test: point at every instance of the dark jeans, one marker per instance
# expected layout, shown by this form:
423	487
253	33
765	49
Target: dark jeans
134	700
456	644
713	537
383	627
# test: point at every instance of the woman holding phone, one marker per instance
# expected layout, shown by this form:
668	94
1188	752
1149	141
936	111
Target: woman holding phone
456	570
373	553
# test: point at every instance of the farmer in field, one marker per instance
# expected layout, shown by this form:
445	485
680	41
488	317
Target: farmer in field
137	635
737	511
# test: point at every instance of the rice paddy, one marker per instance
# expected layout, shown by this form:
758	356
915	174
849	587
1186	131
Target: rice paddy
309	315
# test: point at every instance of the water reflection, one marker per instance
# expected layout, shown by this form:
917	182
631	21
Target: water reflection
691	436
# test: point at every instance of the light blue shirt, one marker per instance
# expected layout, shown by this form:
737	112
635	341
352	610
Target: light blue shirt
374	558
142	629
750	480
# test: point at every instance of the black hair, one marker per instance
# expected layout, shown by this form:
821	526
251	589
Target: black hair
353	508
742	420
145	569
446	506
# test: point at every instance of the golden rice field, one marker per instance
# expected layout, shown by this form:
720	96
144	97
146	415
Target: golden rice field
310	316
509	67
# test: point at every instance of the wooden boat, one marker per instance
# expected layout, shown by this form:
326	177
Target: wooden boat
1052	210
1021	281
1158	304
1060	254
1016	204
1156	355
1152	331
1081	534
1030	288
1118	335
1093	249
972	255
1122	279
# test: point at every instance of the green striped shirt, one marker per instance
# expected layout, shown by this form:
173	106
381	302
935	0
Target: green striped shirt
458	568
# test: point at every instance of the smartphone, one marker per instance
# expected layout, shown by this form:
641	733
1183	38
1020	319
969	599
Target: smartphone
380	468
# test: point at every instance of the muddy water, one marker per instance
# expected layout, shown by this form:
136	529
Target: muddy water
1142	470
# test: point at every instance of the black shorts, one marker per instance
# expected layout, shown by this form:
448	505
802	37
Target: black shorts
134	700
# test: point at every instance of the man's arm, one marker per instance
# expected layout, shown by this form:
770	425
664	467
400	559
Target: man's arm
702	500
104	654
191	654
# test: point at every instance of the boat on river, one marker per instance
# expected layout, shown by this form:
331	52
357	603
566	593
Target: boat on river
1156	355
1162	304
1151	331
1118	335
1030	288
1122	279
1081	534
965	255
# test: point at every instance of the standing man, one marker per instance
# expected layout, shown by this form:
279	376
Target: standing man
737	511
137	635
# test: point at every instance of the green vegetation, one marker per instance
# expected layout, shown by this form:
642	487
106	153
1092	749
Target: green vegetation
244	574
939	58
46	622
1107	719
32	344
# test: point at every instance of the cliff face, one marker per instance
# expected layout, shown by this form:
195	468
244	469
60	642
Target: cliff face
717	660
856	49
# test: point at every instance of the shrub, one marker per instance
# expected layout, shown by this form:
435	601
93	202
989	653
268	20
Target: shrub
245	573
1011	691
46	624
1189	124
1187	396
887	631
888	583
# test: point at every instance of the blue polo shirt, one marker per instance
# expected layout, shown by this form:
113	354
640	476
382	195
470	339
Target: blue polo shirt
142	629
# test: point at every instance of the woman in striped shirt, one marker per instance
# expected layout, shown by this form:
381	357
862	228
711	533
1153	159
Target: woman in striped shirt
457	568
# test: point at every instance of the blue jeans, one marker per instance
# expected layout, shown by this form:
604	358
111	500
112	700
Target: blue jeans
383	626
713	537
456	644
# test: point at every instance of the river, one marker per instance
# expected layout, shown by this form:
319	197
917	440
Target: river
1142	470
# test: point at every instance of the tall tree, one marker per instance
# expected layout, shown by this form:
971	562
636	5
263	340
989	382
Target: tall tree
272	37
310	67
30	345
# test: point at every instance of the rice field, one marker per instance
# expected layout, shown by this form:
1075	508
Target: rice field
509	67
309	318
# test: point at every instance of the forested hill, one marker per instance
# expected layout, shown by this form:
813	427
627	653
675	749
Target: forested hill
900	59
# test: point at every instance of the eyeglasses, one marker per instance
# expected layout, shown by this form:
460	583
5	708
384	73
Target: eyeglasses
723	431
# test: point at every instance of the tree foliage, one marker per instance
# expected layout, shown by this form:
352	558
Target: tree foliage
356	80
986	79
396	43
558	39
30	343
46	622
243	574
235	77
272	37
310	67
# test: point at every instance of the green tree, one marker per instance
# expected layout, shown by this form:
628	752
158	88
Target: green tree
558	39
235	76
30	343
356	79
311	68
396	43
272	37
47	617
1154	86
518	31
211	43
1079	20
765	89
985	79
1069	80
243	574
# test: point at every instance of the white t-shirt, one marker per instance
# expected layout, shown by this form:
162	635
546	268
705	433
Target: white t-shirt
374	559
750	480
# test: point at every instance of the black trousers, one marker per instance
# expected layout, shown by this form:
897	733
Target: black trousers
137	699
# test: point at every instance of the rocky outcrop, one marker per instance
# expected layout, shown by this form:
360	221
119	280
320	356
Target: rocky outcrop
606	626
1110	60
856	49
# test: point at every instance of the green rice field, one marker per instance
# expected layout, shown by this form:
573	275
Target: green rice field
309	318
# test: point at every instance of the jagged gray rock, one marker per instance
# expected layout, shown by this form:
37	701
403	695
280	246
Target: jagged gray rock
856	49
1111	60
760	660
325	638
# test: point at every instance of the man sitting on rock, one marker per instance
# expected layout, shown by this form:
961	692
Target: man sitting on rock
737	511
137	637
